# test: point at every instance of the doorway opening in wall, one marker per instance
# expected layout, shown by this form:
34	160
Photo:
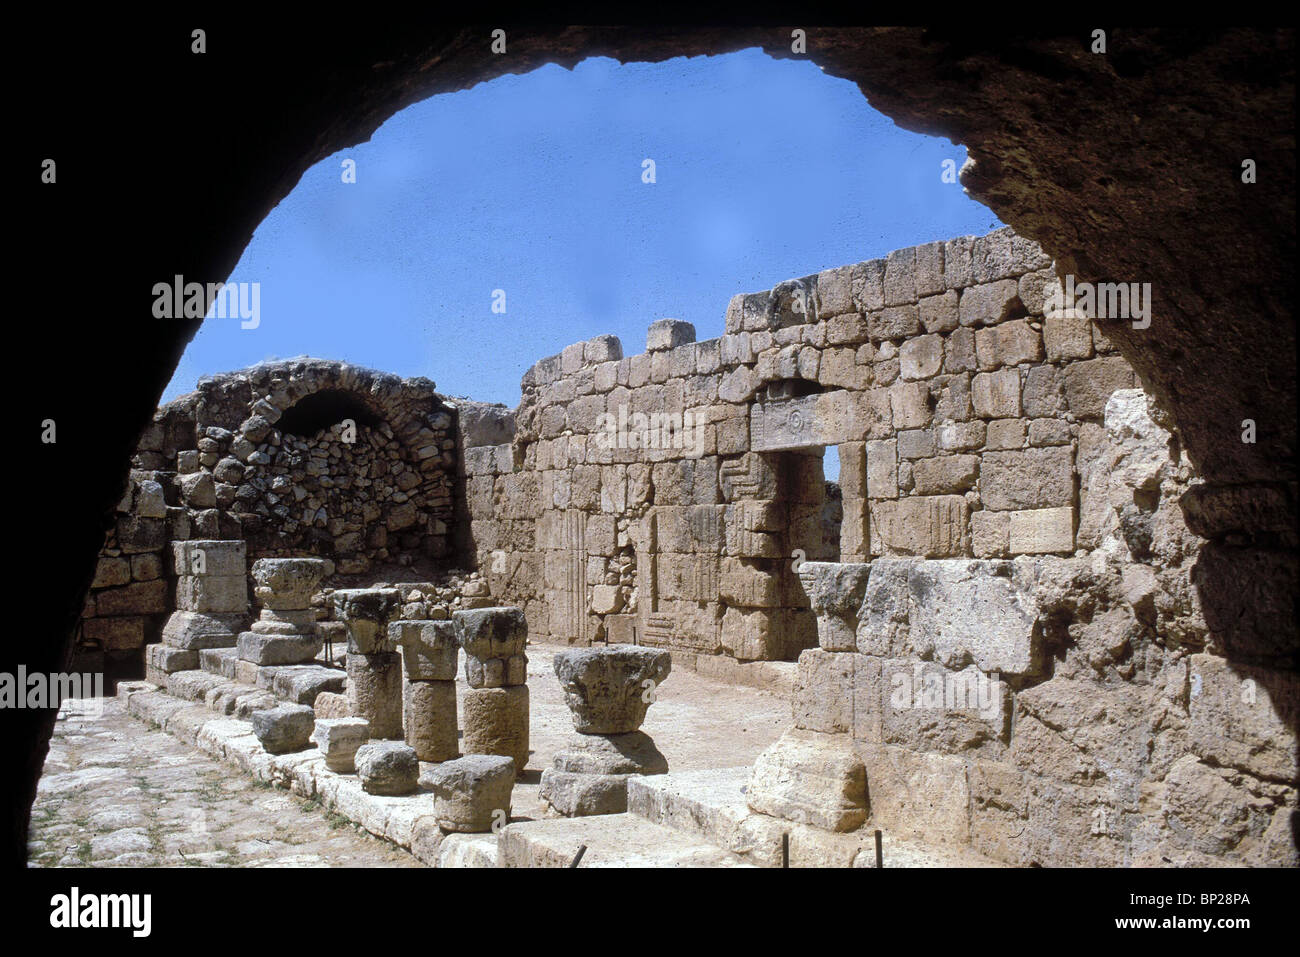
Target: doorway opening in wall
832	510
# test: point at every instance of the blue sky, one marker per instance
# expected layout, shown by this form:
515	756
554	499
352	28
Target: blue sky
765	170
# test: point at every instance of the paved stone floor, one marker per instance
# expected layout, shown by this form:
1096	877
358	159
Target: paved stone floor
117	793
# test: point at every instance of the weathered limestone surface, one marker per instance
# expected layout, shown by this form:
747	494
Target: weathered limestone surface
1077	710
496	722
608	691
192	630
367	612
375	692
472	793
429	717
811	778
284	728
211	603
429	648
285	633
494	641
387	767
339	739
496	703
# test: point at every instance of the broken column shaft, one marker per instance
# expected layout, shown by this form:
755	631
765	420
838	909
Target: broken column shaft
374	668
496	703
429	653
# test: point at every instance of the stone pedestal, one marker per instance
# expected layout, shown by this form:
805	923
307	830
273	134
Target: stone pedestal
608	690
387	767
589	776
284	728
211	605
496	704
339	739
285	633
472	793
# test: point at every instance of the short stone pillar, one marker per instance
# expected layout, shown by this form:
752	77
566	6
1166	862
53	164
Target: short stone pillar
284	728
429	653
339	739
608	690
496	702
387	767
211	605
285	633
374	668
472	793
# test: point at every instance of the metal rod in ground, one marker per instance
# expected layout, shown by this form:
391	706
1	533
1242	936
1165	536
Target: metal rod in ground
785	849
582	849
880	857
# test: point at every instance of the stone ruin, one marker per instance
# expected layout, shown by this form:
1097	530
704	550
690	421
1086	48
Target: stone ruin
999	646
608	690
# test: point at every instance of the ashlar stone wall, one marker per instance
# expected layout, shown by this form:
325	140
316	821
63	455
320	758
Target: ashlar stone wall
670	494
1061	710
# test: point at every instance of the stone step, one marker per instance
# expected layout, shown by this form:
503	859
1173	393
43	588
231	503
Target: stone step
612	840
219	694
300	684
219	661
709	806
296	684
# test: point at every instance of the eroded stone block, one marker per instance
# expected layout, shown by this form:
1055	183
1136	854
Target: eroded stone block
472	793
387	767
284	728
811	778
339	739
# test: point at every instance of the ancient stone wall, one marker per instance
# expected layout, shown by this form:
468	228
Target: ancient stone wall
301	457
670	491
1060	710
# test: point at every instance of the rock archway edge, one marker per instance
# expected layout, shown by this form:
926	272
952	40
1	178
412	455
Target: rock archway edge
1089	155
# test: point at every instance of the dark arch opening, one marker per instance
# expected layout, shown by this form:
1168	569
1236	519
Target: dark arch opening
322	409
